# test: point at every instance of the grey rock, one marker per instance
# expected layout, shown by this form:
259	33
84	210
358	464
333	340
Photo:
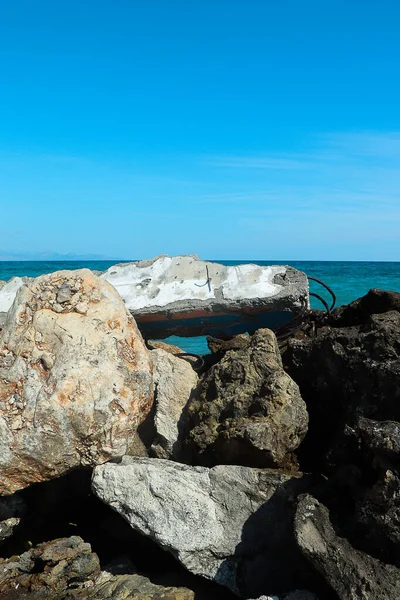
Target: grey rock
247	410
174	381
352	574
7	528
64	293
126	587
230	524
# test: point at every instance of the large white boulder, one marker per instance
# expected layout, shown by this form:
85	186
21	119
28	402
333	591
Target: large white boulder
230	524
75	378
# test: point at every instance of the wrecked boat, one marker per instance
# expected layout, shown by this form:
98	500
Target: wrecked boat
187	297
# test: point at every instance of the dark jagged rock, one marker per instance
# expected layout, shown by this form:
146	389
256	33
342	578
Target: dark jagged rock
345	373
350	379
357	312
67	569
380	437
246	409
375	523
353	575
49	569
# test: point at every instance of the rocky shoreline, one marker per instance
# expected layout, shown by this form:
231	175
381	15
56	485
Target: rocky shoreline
271	472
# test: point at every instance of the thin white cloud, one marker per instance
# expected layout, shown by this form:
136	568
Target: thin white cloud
339	172
247	162
330	148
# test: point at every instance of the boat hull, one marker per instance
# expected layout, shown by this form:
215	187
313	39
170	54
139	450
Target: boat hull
220	325
185	296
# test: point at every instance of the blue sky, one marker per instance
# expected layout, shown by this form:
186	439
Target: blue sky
234	129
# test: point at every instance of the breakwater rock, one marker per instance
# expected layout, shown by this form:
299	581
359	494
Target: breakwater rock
247	410
174	381
270	473
210	518
75	379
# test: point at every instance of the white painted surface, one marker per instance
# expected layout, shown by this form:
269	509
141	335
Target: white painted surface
167	280
182	278
8	293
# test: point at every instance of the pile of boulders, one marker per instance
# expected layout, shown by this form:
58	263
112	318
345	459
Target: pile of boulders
271	473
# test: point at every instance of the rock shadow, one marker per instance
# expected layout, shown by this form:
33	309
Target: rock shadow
267	560
65	507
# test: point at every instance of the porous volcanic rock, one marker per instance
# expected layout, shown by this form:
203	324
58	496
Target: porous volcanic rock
75	379
343	374
48	570
67	569
230	524
353	575
374	522
357	312
380	437
174	381
246	409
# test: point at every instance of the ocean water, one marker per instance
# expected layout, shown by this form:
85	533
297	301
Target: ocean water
348	280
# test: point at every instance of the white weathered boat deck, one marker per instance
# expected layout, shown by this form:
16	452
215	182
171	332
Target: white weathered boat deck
184	295
186	283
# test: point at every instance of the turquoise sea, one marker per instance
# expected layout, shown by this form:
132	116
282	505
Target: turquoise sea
349	280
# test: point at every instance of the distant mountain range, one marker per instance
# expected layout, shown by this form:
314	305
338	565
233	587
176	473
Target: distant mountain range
50	256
